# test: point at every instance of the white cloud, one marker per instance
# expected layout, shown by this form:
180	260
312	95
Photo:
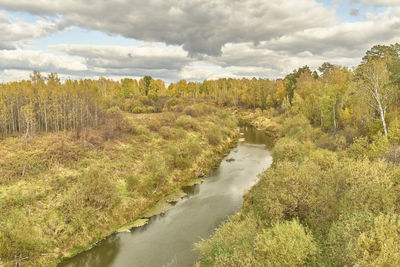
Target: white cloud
37	60
14	34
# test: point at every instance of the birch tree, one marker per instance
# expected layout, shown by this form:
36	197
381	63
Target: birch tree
374	80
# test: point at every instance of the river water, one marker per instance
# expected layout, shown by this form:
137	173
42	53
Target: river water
168	239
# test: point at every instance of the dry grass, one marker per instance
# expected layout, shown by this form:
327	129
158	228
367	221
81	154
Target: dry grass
67	192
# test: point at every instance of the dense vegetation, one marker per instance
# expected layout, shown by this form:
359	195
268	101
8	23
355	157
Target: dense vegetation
60	193
331	197
81	158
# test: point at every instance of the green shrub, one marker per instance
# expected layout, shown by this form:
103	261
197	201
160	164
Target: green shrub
191	148
369	186
146	101
296	190
341	234
327	141
227	249
297	127
285	244
191	111
154	125
167	118
19	236
359	148
182	156
379	246
97	189
393	154
289	149
128	125
373	128
166	132
172	102
378	147
133	182
394	132
114	112
172	133
213	135
155	171
204	109
187	122
349	133
325	159
138	109
222	114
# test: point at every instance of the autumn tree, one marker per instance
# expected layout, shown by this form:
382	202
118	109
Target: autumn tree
374	83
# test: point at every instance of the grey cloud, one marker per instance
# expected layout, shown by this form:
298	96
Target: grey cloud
18	61
380	3
354	12
201	27
119	57
346	37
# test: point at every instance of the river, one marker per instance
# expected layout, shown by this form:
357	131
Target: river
168	239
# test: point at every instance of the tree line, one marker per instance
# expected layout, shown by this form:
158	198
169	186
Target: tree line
334	97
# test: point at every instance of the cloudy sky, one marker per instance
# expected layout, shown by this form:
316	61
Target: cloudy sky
188	39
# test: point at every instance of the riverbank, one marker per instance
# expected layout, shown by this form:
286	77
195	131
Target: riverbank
168	239
60	193
329	199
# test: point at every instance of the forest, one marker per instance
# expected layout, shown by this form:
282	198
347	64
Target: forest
79	159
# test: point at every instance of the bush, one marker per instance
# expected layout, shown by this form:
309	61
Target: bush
381	245
214	136
97	189
133	182
204	109
394	132
172	133
182	155
127	125
285	244
187	122
289	149
369	186
167	118
114	112
325	159
191	111
289	190
341	234
374	127
191	148
138	109
327	141
154	125
349	133
297	127
227	249
166	132
18	237
393	154
145	100
172	102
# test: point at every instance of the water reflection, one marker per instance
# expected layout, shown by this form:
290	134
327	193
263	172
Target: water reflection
104	256
191	190
169	238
